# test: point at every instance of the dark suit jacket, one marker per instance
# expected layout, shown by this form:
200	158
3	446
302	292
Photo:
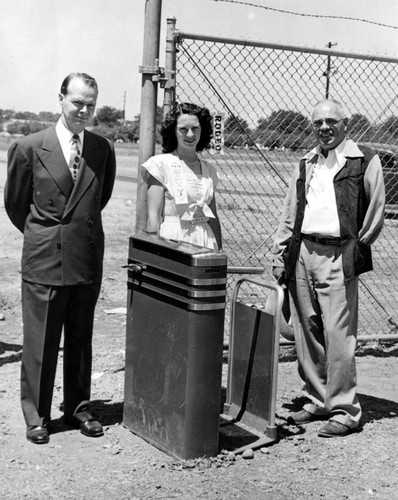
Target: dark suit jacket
61	222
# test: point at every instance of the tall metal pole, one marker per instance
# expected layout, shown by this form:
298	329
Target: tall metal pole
124	108
149	97
327	77
170	66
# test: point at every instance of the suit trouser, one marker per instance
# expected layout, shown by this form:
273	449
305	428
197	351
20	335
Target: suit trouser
326	307
45	311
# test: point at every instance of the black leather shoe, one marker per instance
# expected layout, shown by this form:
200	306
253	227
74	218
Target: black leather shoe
86	423
335	429
37	435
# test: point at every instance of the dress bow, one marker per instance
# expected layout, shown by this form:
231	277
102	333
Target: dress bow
198	209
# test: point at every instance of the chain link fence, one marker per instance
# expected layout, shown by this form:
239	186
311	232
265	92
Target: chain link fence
266	94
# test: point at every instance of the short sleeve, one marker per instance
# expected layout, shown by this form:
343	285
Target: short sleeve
154	166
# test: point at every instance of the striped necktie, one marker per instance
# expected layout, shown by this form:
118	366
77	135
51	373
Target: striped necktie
74	161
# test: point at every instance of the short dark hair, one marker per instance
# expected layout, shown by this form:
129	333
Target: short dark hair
88	80
168	126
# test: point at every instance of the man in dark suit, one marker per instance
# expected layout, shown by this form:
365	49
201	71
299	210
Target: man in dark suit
59	180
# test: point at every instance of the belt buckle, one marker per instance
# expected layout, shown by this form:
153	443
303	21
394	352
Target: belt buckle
199	220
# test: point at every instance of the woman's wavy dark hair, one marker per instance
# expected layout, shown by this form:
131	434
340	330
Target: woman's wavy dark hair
168	126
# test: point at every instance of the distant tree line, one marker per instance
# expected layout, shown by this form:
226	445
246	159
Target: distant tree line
26	122
291	130
108	122
281	129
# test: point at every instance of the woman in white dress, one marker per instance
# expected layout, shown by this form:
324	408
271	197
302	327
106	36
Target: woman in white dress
181	184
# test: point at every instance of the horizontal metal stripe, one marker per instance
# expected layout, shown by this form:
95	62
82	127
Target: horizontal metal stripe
188	291
156	280
160	274
180	299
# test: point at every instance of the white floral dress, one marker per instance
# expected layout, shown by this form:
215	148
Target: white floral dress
187	197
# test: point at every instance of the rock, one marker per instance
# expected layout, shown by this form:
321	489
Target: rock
247	454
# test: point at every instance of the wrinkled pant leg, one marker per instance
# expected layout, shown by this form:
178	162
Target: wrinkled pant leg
310	344
42	314
78	333
327	309
341	325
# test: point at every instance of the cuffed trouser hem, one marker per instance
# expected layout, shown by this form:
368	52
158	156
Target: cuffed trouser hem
321	412
345	420
316	410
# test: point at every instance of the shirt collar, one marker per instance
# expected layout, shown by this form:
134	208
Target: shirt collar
339	151
346	149
65	134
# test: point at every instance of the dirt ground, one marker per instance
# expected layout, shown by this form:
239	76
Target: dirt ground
122	465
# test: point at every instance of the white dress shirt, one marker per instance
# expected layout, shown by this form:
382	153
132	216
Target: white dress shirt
320	216
65	138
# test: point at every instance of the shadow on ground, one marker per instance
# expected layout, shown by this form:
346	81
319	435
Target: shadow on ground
373	408
10	353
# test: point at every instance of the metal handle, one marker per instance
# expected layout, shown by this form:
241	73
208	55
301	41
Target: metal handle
136	269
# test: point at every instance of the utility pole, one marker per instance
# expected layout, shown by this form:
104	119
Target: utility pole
124	108
328	69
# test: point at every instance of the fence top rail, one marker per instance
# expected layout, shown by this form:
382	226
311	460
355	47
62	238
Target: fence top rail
178	35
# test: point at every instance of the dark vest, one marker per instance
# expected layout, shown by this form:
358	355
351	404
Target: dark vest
352	204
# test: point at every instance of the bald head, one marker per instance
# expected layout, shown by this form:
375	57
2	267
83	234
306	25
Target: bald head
329	105
329	123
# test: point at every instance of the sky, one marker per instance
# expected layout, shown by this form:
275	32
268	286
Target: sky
41	41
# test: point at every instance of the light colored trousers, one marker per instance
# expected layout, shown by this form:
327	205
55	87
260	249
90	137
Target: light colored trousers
324	311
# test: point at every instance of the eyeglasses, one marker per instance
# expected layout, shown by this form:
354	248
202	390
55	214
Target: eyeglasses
330	122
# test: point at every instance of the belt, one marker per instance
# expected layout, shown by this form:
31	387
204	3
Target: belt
332	240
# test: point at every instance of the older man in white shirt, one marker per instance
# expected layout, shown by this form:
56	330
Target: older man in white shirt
333	212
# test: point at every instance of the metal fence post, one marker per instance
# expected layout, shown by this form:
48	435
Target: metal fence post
170	66
149	94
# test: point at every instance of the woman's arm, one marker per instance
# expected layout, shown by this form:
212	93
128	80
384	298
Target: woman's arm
155	204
